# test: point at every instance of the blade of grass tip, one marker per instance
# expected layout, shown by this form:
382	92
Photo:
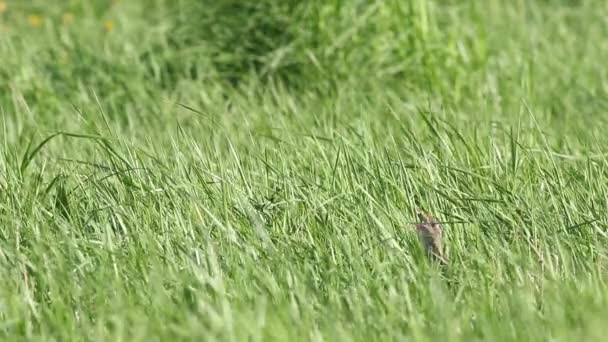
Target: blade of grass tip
85	136
352	172
427	120
556	171
371	198
62	202
103	114
240	169
83	162
386	236
51	185
268	166
200	113
181	133
570	228
257	222
229	232
4	127
335	168
27	151
513	151
479	177
27	157
454	201
548	151
104	144
377	243
317	207
79	112
103	141
152	157
317	137
270	137
458	135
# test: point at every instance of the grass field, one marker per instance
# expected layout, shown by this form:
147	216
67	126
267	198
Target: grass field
250	171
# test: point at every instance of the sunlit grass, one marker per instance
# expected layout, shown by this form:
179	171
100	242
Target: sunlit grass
201	170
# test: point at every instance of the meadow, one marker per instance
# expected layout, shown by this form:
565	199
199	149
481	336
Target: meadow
250	170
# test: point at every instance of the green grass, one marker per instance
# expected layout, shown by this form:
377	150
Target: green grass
235	170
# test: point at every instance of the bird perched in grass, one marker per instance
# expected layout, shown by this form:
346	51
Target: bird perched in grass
430	233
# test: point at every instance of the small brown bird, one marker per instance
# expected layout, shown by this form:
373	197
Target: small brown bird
430	233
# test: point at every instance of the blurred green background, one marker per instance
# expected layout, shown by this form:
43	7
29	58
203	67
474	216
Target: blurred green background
249	170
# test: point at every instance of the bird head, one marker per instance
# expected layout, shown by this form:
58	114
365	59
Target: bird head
422	216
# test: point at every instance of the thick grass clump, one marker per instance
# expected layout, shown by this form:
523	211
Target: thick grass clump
235	170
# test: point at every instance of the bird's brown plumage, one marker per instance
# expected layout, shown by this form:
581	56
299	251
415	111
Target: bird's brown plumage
430	233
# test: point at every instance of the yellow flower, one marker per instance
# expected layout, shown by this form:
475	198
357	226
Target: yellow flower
68	18
108	26
34	20
2	7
